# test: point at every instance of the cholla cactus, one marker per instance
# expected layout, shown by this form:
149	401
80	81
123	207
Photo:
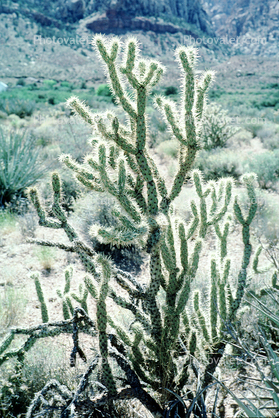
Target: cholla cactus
44	311
169	323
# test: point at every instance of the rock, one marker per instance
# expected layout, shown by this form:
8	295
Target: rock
3	86
253	24
76	9
113	22
42	19
70	10
111	15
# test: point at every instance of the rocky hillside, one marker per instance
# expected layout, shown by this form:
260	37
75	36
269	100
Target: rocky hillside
116	15
254	24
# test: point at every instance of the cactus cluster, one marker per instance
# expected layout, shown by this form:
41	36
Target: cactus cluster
171	318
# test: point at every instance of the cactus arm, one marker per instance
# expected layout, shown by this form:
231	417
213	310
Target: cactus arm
223	294
99	42
188	278
170	111
6	342
81	109
223	237
44	311
215	278
241	283
202	88
102	327
45	330
184	169
120	332
201	318
139	315
115	136
256	259
222	212
78	168
195	221
33	194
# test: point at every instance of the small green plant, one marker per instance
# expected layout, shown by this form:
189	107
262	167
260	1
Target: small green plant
171	90
49	84
20	165
20	82
46	257
104	90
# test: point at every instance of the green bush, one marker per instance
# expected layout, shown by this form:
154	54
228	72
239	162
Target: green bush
49	84
269	136
266	166
20	165
104	90
171	90
254	127
219	163
169	148
21	108
20	82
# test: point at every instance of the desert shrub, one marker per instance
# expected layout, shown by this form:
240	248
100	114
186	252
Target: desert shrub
266	220
12	305
20	82
171	90
51	100
70	193
169	148
104	90
269	136
21	108
216	129
65	84
219	163
72	137
266	166
158	129
20	165
254	127
49	84
28	224
242	136
271	101
45	134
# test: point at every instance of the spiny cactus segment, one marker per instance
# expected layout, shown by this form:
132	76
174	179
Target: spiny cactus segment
170	320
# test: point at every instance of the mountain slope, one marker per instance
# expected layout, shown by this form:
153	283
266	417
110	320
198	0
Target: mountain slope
254	24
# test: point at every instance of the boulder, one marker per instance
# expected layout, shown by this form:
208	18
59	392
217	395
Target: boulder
3	86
